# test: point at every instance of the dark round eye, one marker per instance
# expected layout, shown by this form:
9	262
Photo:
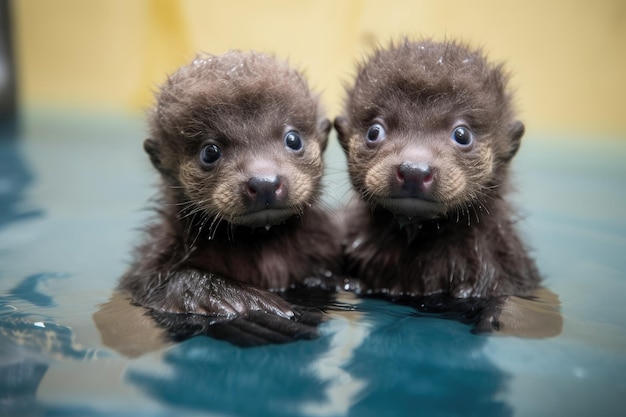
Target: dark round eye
210	154
375	133
462	135
293	141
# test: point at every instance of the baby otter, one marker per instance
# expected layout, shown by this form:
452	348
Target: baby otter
238	140
429	131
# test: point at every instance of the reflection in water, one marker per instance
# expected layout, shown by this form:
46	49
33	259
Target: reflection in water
439	368
19	380
425	366
538	316
206	374
535	316
394	359
348	331
371	353
23	339
28	344
369	356
127	328
133	330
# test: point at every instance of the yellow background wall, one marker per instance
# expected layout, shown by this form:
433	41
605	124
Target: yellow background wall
568	57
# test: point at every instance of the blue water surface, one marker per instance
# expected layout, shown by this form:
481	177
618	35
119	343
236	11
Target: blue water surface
73	190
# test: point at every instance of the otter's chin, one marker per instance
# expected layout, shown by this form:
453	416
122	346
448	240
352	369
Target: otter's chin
263	218
412	207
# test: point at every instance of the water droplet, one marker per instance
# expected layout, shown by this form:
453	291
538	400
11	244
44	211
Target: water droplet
356	243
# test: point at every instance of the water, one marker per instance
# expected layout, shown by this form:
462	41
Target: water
72	194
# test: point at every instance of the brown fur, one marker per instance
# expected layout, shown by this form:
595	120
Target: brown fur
449	229
217	246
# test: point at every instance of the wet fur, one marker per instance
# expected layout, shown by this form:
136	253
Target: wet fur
202	254
462	241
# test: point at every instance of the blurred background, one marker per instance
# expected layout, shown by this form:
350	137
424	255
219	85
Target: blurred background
72	191
568	57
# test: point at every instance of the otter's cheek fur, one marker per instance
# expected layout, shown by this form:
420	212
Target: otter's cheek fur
229	203
461	177
221	191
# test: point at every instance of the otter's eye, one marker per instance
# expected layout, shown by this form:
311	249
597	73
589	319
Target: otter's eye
293	141
210	154
375	133
462	135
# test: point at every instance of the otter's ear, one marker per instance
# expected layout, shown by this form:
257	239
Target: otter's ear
516	131
341	125
151	147
324	127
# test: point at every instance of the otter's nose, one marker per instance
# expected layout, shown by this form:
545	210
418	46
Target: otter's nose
265	190
415	177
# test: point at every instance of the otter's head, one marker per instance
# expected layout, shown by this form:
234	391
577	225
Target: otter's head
428	129
239	137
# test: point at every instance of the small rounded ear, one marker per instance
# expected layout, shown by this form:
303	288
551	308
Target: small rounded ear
516	131
324	127
342	126
151	147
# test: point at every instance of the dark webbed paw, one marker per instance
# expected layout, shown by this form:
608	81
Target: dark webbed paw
196	303
230	298
195	292
253	328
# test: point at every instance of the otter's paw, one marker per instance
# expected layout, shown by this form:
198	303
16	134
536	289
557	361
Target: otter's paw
255	328
227	298
209	305
196	292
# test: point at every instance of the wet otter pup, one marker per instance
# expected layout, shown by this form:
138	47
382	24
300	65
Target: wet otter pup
429	131
238	141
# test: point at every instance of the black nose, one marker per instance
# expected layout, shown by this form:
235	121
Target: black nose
415	177
265	190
